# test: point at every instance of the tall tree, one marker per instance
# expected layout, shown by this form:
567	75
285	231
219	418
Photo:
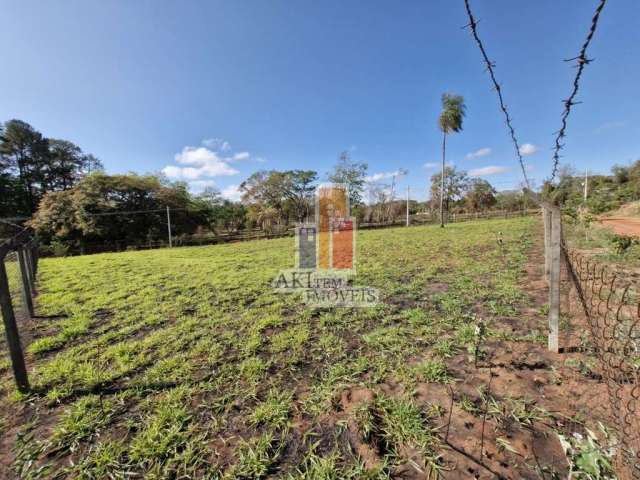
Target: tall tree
99	208
352	174
24	152
261	187
456	183
64	166
32	165
298	188
210	197
280	193
449	121
480	195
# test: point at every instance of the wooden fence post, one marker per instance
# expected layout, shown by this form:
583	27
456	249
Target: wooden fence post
30	270
11	331
554	279
546	220
24	275
33	249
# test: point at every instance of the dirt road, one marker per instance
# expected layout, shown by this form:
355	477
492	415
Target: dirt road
623	225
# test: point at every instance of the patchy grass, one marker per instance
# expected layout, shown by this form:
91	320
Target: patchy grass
184	362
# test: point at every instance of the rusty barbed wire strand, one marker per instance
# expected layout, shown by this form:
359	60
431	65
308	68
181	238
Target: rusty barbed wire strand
473	24
569	102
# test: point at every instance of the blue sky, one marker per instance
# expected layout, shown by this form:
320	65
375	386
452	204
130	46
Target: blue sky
216	90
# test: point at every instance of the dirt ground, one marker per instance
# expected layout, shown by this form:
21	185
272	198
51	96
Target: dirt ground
623	225
482	446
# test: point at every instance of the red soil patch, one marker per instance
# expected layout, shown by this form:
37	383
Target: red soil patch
623	225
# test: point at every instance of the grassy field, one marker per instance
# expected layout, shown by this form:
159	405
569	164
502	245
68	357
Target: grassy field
184	363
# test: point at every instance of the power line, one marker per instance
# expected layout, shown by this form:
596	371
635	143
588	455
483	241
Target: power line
490	66
568	103
11	224
135	212
125	212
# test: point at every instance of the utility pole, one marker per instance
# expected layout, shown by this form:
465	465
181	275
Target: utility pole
408	205
444	143
586	184
169	226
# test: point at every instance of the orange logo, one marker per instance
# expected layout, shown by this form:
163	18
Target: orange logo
329	244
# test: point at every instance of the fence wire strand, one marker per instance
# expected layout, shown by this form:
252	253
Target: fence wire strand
473	24
570	102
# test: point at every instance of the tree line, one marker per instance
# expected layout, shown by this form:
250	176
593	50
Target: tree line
603	192
73	204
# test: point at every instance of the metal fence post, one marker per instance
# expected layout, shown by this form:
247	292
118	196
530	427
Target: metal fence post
24	275
554	279
11	331
169	226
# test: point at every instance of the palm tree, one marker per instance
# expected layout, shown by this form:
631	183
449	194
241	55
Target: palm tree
449	121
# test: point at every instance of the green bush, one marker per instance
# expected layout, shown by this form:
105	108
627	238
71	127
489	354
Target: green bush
622	243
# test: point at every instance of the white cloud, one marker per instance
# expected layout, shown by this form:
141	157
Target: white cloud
528	149
260	159
490	170
232	193
201	162
172	171
217	144
483	152
376	177
241	156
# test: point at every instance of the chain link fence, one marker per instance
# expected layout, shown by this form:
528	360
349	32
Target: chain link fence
602	305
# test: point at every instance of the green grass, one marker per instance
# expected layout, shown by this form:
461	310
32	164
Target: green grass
184	362
15	280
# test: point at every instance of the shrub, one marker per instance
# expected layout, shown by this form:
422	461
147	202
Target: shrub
622	243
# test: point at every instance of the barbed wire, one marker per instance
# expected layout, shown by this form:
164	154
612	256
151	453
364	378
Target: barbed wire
490	66
569	102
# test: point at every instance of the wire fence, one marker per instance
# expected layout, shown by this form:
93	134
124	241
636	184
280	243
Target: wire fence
473	25
604	302
276	232
582	61
13	279
12	268
18	270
